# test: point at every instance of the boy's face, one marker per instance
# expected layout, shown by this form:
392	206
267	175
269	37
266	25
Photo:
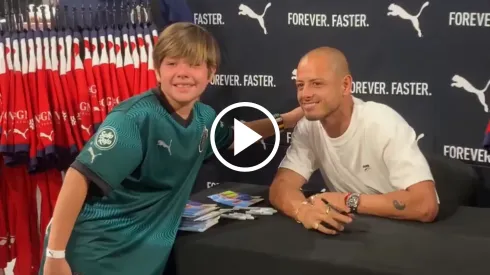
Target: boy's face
183	82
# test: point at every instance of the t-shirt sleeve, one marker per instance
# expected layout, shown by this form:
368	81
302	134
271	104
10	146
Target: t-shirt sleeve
112	154
400	151
223	137
300	157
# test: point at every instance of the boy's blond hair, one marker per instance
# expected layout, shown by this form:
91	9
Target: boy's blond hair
188	41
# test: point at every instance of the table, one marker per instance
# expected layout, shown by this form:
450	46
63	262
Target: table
277	245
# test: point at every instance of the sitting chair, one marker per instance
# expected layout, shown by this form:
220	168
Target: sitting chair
456	183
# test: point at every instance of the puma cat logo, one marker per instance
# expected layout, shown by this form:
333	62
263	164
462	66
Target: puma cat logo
395	10
87	129
49	137
461	82
23	134
245	10
165	145
93	155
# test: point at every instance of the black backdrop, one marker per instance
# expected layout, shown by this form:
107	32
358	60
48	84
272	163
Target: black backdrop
434	80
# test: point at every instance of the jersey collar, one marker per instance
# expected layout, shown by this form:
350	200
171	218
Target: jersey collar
166	105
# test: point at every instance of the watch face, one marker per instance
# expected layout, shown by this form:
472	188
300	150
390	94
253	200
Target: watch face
353	201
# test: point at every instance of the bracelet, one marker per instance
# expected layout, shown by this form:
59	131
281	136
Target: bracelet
297	211
280	122
311	199
55	254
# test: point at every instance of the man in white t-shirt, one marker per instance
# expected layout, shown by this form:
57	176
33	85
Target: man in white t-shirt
366	152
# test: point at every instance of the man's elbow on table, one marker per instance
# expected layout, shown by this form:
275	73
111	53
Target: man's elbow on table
275	193
429	210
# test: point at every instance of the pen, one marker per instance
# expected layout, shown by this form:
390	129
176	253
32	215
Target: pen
327	203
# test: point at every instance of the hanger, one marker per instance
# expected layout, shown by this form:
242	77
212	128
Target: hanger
106	10
97	24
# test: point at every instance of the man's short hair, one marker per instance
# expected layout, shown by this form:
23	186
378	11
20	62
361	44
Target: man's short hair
188	41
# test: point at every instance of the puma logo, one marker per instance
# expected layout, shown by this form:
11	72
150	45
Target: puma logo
293	76
245	10
93	155
419	137
87	129
165	145
461	82
23	134
50	136
395	10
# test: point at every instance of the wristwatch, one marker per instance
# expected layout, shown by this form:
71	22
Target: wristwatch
280	122
352	201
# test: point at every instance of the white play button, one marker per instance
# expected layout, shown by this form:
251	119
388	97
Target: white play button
243	137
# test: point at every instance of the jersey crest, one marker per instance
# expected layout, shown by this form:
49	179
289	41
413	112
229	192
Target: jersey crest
106	138
204	138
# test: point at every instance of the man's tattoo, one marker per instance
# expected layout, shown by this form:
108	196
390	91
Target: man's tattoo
398	205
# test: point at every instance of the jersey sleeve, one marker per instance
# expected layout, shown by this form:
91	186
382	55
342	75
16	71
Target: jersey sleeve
112	153
397	142
300	156
223	137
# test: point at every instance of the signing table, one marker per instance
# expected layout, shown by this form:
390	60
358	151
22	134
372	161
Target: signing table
277	245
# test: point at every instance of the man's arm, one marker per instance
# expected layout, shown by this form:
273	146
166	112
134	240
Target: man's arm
418	202
285	192
294	171
394	140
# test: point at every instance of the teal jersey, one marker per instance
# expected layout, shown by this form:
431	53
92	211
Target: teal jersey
145	159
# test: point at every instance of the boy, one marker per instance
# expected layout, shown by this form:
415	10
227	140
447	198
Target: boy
144	158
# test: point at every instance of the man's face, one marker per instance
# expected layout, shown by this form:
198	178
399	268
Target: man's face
319	88
183	82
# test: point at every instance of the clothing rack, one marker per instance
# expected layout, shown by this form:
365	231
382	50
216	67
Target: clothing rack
15	18
63	69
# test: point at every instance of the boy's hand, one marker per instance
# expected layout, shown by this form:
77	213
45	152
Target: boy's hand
292	117
56	267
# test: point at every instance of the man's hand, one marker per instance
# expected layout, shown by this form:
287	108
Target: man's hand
292	117
335	199
312	217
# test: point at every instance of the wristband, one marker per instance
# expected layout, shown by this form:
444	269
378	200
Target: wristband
280	122
55	254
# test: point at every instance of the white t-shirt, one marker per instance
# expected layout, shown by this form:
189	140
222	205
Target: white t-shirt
377	154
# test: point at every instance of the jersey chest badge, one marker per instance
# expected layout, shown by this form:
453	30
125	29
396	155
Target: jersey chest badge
106	138
204	138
